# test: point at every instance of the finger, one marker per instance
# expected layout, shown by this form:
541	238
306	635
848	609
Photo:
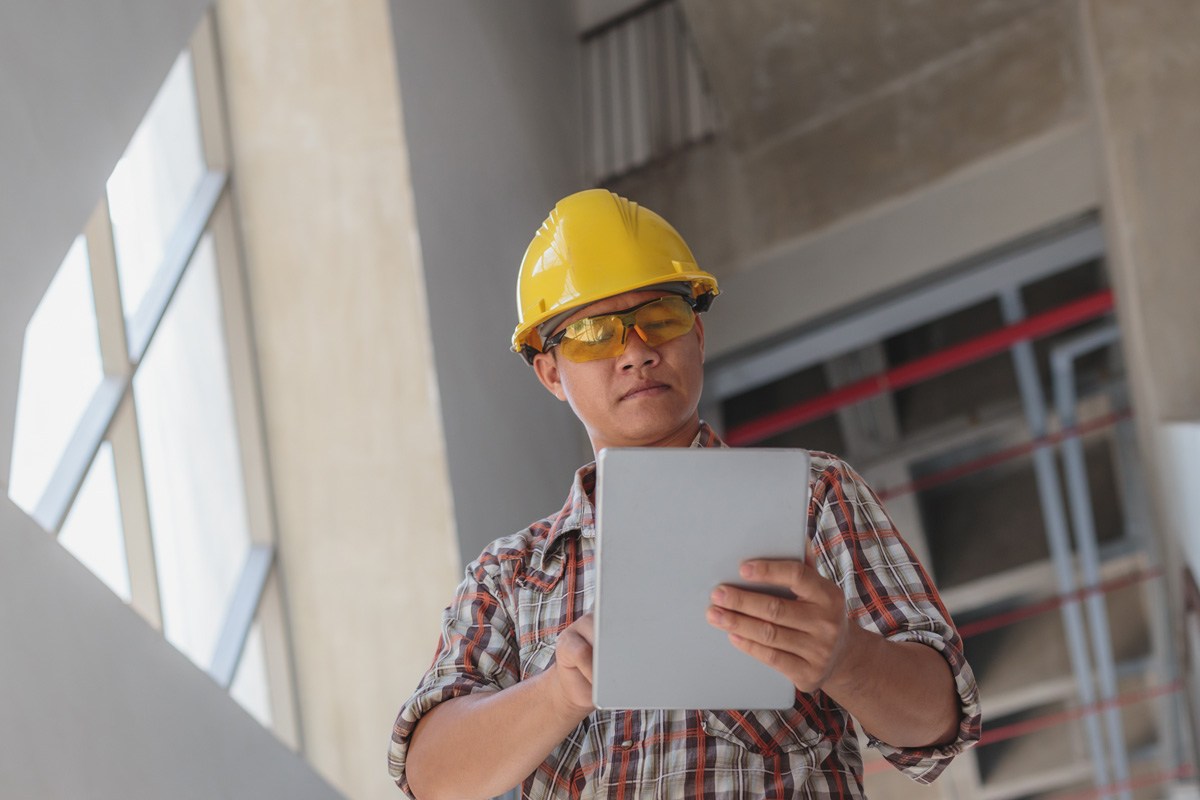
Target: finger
802	579
576	654
757	630
585	668
585	626
574	651
797	670
772	608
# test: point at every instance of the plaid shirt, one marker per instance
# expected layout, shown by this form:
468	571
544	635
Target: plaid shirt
525	589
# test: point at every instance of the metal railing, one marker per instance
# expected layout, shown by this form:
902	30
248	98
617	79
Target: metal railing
1077	588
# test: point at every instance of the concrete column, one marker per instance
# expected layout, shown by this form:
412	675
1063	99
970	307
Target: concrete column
1142	61
366	531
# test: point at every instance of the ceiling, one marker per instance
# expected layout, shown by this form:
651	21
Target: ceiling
776	66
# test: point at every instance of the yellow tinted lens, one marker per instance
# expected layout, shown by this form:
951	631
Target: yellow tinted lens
664	320
593	338
658	321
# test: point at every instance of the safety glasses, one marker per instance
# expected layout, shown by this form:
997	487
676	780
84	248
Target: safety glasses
604	336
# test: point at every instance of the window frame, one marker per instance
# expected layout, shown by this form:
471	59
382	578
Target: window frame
111	414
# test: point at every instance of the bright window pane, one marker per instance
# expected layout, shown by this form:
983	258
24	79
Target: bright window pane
193	470
60	370
154	181
93	531
249	685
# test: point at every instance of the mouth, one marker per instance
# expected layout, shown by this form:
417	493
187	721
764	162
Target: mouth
645	390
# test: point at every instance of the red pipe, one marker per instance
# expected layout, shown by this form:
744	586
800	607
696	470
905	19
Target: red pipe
1006	618
924	368
1183	772
1028	726
1000	456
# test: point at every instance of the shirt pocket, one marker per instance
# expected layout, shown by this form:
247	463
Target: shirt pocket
764	733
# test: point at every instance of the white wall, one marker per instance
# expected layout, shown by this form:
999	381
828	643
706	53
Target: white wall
98	705
95	703
493	122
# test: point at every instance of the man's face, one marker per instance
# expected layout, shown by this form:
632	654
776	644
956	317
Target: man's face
646	396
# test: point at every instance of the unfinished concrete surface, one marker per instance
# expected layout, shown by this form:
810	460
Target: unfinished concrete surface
366	531
492	120
829	110
1143	61
779	66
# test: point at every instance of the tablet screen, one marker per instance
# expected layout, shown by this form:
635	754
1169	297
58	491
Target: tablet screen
672	524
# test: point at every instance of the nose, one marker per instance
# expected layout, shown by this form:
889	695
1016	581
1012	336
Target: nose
637	352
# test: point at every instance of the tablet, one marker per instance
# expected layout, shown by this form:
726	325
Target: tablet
672	524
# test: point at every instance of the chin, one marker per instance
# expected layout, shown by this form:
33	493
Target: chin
650	431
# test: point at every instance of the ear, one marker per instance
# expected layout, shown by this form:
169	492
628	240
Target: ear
700	333
545	366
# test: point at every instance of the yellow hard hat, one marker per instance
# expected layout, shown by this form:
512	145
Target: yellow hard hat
597	244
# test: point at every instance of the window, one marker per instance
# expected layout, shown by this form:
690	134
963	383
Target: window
137	441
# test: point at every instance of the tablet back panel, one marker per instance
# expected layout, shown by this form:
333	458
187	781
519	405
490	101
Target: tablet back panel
672	524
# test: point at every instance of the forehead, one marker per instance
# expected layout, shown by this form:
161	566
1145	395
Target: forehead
618	302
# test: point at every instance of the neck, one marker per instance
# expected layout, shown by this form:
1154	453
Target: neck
679	437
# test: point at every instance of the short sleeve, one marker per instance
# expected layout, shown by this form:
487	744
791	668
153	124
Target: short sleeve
476	652
888	591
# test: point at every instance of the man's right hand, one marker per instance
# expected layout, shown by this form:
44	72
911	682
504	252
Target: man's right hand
508	732
571	672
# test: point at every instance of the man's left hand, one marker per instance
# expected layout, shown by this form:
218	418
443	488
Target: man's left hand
806	639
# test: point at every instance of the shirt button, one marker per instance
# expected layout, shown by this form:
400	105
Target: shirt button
628	743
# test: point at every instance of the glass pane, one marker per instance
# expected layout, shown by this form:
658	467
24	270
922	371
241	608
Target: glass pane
93	532
823	433
249	685
969	392
60	370
193	469
154	181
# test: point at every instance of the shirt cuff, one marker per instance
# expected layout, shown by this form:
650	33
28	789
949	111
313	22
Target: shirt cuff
421	703
924	764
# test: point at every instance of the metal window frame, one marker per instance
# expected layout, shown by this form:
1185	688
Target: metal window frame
123	431
736	374
1067	514
112	413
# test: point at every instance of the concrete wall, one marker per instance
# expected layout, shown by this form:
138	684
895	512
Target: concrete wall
96	703
492	117
350	398
830	113
1049	179
1142	63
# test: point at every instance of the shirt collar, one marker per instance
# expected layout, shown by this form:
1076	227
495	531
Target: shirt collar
578	515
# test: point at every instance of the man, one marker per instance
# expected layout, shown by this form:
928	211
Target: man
608	298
